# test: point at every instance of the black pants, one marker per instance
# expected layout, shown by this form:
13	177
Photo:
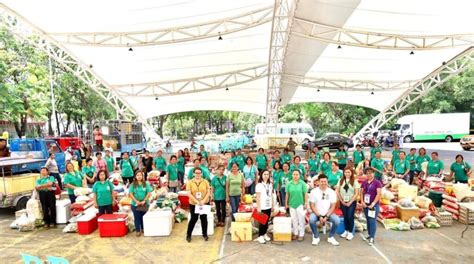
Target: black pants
262	229
105	209
181	177
48	204
58	178
221	210
194	219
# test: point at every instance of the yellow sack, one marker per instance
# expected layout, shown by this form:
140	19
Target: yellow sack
241	231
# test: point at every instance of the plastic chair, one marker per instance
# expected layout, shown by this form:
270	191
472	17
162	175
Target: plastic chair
57	260
28	259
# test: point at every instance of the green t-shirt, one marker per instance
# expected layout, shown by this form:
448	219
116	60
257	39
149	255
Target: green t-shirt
240	159
160	163
435	166
218	185
350	188
358	156
333	177
74	179
134	160
285	158
126	167
140	192
44	180
325	166
262	161
300	168
110	163
296	193
205	173
313	164
374	150
103	192
180	164
420	160
459	170
412	161
275	160
401	166
205	154
395	155
341	157
235	184
89	171
172	171
285	178
276	174
377	164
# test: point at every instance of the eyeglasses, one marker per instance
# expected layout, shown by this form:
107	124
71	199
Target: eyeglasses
324	196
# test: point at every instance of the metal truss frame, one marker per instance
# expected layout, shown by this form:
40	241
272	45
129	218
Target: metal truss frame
193	85
377	40
456	65
25	30
284	12
209	29
346	85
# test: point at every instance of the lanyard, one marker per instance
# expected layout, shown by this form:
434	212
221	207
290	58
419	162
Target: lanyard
267	188
369	187
197	185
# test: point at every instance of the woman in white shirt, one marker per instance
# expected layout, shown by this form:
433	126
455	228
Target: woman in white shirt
264	190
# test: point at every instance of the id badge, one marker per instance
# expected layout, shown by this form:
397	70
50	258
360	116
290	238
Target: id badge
371	213
367	198
267	203
198	195
347	198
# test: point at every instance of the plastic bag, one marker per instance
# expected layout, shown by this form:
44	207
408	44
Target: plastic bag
25	224
82	199
70	228
429	218
395	182
82	191
415	223
406	203
432	225
33	208
403	226
14	224
179	217
387	194
171	195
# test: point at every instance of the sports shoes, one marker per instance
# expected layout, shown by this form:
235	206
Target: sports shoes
315	241
267	238
333	241
371	241
349	236
261	240
300	239
344	235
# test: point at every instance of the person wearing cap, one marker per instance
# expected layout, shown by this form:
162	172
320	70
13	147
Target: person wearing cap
45	188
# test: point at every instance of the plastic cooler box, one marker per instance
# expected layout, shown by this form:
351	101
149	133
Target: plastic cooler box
183	199
63	211
197	231
113	225
86	224
282	229
158	223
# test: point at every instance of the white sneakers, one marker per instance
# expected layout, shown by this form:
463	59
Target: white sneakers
349	236
371	241
267	238
344	235
315	241
261	240
333	241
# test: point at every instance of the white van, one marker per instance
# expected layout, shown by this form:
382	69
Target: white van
300	132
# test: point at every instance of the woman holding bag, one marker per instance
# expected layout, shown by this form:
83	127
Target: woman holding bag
251	174
139	192
264	190
44	186
103	193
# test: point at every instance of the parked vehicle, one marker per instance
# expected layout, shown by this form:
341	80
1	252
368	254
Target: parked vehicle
467	142
122	135
68	140
300	132
447	127
38	149
331	141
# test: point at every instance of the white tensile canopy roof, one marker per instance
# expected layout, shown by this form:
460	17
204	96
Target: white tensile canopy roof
237	65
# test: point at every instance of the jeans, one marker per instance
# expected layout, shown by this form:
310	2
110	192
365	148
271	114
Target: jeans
412	175
138	217
262	229
298	221
48	205
193	220
72	197
372	222
282	196
173	189
251	189
58	178
348	213
313	219
220	210
105	209
234	205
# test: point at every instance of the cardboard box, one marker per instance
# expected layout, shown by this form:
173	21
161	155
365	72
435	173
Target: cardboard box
158	223
241	231
406	213
280	237
282	229
63	211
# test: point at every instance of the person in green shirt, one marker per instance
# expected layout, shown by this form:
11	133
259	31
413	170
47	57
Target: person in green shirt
378	165
204	170
134	159
285	157
126	169
218	194
140	191
313	163
103	190
45	188
72	180
411	158
334	174
326	163
284	179
402	167
298	166
110	161
204	153
240	159
395	153
422	157
235	188
358	155
276	157
461	170
262	160
172	174
89	172
206	173
374	149
277	173
297	202
159	163
181	163
435	165
341	156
